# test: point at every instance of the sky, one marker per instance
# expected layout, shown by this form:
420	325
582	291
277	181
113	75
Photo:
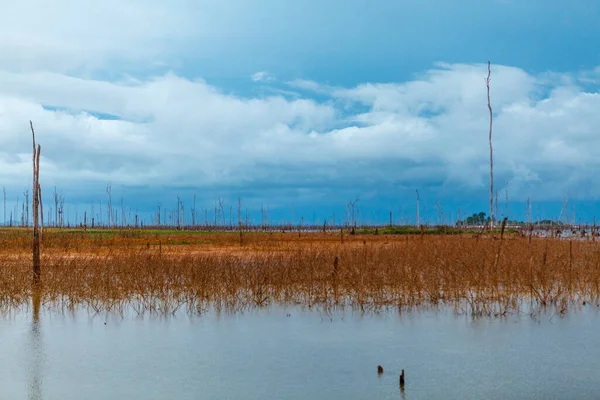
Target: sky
303	107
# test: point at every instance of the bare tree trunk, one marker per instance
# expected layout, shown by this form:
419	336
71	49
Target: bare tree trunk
496	205
55	208
194	212
41	210
418	216
110	216
36	192
26	207
506	209
487	84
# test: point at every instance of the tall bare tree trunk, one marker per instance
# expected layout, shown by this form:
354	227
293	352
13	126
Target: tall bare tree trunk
36	198
487	84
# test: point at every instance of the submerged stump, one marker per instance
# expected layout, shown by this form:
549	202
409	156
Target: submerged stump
402	380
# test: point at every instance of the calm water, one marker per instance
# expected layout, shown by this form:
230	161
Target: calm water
267	355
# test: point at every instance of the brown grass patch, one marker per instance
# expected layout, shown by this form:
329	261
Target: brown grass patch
165	272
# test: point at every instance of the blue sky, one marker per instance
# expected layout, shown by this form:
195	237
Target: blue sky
304	106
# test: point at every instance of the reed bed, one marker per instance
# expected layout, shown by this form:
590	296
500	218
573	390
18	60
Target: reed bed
163	273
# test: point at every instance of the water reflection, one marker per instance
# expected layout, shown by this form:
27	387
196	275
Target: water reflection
287	353
36	351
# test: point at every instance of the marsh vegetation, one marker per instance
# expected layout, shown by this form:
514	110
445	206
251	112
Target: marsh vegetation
482	275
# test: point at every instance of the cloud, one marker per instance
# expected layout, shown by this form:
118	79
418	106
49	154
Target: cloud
70	36
310	86
168	131
262	76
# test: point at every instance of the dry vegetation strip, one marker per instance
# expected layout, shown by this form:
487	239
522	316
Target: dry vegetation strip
164	272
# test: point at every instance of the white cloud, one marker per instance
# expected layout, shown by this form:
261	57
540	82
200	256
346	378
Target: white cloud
262	76
174	131
311	86
69	35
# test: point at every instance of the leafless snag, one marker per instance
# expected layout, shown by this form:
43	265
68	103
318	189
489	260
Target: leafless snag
37	271
487	84
110	211
418	216
4	192
41	211
352	210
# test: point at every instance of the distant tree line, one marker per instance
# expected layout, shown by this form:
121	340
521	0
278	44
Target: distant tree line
482	218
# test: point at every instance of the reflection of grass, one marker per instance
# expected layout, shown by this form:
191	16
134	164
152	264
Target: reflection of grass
160	271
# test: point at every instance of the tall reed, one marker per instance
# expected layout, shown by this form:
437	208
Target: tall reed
162	273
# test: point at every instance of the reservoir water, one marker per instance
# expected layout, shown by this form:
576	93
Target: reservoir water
289	353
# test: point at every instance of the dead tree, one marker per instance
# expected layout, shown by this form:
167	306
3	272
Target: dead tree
110	216
487	84
418	209
41	211
158	214
123	215
222	211
194	212
352	209
55	195
37	271
506	203
26	206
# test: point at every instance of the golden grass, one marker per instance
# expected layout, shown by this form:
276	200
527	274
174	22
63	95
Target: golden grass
165	272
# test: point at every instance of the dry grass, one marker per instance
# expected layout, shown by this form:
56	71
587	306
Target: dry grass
161	273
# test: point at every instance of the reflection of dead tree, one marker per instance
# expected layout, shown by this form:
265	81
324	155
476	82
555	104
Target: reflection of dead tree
487	84
36	199
36	353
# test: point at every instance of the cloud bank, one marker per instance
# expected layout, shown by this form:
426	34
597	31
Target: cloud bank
430	131
126	105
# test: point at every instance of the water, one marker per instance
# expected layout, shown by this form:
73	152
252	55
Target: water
308	355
